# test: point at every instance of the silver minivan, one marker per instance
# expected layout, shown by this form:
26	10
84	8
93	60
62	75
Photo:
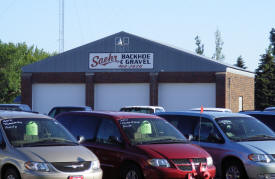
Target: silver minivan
241	146
37	146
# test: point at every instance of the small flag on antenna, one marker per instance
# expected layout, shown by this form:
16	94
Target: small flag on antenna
201	109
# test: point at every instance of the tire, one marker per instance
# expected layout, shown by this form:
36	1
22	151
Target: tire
11	173
131	172
234	170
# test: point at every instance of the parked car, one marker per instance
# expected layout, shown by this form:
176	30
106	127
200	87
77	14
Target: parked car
15	107
59	109
241	146
267	117
143	109
269	109
137	146
212	109
37	146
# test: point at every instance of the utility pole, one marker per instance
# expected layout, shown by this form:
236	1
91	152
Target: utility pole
61	26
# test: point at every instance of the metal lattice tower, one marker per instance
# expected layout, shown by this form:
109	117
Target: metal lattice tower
61	26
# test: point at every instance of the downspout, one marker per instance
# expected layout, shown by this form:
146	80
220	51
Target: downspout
229	88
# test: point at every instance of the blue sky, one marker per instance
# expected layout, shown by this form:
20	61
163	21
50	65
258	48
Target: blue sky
244	24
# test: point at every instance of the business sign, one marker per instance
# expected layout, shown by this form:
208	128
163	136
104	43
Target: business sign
121	60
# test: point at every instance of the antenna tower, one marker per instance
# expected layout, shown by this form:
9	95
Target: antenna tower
61	26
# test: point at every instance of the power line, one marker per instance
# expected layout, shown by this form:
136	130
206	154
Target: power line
8	7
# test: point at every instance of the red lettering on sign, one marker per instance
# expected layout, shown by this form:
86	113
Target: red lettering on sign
96	60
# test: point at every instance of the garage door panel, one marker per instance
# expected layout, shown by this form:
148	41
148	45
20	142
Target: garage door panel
182	96
46	96
114	96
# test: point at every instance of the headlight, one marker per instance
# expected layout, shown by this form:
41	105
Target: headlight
209	161
37	166
259	158
159	163
95	164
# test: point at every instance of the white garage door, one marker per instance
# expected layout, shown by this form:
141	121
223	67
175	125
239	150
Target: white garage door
114	96
45	96
182	96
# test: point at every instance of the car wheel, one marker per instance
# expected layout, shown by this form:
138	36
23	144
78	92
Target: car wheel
11	174
131	172
234	170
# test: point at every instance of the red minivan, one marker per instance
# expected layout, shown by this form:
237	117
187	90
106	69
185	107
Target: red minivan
137	146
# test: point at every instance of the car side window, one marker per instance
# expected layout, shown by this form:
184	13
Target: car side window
52	113
81	125
185	124
206	131
108	132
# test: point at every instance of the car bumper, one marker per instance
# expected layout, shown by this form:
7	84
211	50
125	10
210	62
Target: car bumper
95	174
173	173
261	170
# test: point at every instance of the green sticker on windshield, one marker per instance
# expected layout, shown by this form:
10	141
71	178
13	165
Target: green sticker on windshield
145	128
31	128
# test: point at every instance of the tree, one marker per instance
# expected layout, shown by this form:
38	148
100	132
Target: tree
12	58
218	50
264	81
200	47
240	62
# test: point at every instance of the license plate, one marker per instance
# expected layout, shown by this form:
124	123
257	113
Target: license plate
75	177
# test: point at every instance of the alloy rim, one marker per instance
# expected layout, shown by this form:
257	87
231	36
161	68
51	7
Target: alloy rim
10	177
131	175
233	173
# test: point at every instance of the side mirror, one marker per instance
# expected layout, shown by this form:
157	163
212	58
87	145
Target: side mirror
115	140
189	137
80	139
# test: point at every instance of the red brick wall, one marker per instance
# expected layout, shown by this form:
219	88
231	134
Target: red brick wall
239	85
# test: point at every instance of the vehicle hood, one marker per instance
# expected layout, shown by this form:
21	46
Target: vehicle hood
57	154
174	151
264	147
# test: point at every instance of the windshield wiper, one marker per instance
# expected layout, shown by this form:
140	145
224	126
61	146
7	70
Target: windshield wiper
51	142
168	141
260	137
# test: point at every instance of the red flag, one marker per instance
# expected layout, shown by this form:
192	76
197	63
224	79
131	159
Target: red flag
201	109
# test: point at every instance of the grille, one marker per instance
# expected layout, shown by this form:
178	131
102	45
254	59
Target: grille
181	161
186	164
199	160
72	166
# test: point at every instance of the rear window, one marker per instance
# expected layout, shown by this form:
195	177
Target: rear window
21	107
58	110
139	110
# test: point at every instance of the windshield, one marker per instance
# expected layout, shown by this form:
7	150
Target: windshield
244	128
36	132
151	131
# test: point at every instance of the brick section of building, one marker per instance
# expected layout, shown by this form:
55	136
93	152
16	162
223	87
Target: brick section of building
239	86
